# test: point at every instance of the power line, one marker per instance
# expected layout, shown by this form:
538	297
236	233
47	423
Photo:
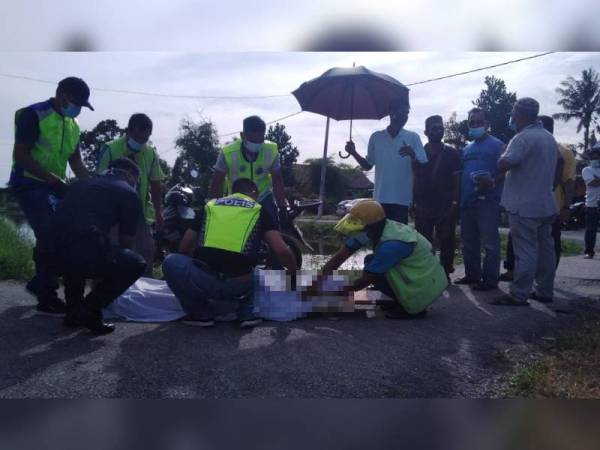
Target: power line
156	94
268	123
480	68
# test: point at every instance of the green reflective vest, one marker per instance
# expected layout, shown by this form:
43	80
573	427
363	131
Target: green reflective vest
145	159
56	143
419	279
258	171
230	223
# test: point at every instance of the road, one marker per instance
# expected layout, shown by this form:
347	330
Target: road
458	351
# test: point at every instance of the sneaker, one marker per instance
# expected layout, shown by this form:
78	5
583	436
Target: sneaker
589	256
250	323
54	307
485	286
465	280
506	276
32	287
534	296
198	321
92	320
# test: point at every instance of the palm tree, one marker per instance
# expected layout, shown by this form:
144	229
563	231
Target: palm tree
581	100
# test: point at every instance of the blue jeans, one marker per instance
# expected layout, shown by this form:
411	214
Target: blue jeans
194	287
38	205
479	226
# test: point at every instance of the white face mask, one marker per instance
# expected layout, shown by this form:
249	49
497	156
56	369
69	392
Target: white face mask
253	146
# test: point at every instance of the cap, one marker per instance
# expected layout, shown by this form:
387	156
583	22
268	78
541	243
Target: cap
78	89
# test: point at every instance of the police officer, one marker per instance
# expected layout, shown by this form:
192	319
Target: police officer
135	146
80	246
46	139
257	159
219	253
402	265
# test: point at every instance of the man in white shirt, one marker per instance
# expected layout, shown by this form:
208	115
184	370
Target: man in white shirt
393	152
591	177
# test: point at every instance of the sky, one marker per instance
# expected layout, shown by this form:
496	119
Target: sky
264	74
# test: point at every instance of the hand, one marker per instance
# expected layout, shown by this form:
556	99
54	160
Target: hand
58	187
406	150
350	148
485	184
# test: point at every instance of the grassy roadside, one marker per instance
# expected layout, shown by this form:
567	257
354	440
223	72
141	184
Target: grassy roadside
569	368
16	254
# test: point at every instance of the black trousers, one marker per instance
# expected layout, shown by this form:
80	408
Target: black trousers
509	263
115	269
592	220
382	285
445	231
398	213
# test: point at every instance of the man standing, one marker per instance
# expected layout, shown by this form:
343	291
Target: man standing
564	187
134	145
591	177
257	159
219	253
530	162
46	139
481	188
80	246
437	192
392	152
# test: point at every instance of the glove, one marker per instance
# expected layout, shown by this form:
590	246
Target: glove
58	188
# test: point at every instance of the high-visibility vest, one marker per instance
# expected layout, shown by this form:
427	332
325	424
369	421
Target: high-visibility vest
56	143
419	279
258	171
145	159
230	223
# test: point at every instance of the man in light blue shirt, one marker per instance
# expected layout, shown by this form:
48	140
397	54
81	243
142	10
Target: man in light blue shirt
393	152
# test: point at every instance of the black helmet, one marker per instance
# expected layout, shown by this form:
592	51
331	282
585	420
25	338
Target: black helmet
179	195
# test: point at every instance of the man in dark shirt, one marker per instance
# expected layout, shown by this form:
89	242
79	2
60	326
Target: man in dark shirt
80	248
437	192
219	253
46	140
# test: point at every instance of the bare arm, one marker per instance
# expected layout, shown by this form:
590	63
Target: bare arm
188	243
156	197
278	188
569	188
77	165
503	166
558	170
22	156
281	250
351	149
216	184
334	262
366	279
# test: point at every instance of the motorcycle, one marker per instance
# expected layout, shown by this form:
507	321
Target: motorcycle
179	213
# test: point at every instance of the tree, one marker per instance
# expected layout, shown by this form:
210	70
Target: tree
456	132
198	146
335	182
497	102
288	153
580	100
90	142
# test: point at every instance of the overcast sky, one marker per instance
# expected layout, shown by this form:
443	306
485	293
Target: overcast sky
256	74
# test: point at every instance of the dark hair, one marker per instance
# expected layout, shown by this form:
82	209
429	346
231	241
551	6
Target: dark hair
139	121
244	186
433	119
477	111
548	123
254	123
126	165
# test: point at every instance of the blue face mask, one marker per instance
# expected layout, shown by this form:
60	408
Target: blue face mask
595	163
71	110
476	133
511	124
134	145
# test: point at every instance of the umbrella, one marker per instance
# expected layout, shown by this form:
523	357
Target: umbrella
343	93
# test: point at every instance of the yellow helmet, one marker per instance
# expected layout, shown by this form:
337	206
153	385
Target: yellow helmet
363	213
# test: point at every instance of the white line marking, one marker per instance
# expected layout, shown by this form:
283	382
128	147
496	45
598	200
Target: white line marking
472	299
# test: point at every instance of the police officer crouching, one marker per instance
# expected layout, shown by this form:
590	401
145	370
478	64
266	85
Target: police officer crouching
80	246
219	253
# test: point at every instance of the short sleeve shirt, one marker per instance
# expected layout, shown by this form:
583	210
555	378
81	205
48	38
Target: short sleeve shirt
532	154
480	157
568	173
386	255
394	173
592	194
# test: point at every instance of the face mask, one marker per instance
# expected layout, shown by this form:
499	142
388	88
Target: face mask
476	133
511	124
595	163
348	226
253	146
134	145
71	110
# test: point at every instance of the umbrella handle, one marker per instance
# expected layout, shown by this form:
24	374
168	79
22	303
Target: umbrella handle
346	156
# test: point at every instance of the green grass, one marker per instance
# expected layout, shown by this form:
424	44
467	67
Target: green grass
16	254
